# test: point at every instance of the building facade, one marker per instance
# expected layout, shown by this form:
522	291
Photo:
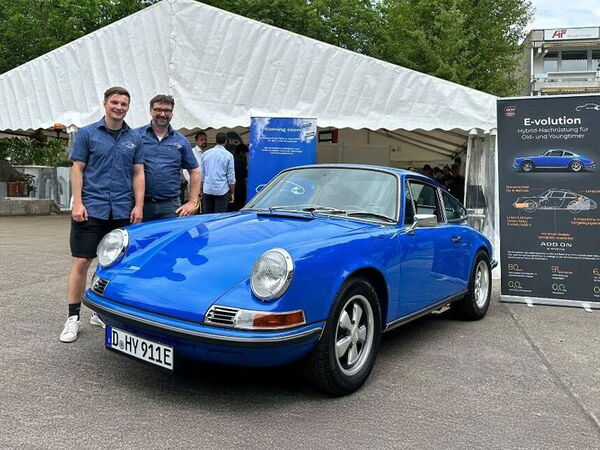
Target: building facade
562	61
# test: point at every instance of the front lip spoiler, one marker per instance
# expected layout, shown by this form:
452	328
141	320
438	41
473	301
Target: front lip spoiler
200	336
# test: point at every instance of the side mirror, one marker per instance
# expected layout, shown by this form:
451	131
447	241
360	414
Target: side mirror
423	221
426	220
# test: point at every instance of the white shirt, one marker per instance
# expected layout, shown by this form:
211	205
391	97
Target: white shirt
198	152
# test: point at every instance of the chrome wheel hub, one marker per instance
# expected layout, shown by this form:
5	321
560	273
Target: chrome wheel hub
481	285
354	335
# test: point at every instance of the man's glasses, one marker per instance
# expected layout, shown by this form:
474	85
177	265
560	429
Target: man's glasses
162	110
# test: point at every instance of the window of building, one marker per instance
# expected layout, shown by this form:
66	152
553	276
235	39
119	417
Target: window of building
574	60
595	60
551	62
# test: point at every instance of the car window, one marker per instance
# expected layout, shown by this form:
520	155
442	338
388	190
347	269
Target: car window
568	154
454	210
555	153
425	199
570	195
409	207
557	195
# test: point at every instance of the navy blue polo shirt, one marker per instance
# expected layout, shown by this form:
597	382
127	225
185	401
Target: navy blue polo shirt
164	160
107	177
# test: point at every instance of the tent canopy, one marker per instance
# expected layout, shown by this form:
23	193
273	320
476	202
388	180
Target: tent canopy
222	69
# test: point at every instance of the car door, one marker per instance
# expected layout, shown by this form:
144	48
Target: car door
555	159
427	254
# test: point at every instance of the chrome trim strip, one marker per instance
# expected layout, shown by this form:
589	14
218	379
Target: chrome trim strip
207	337
403	320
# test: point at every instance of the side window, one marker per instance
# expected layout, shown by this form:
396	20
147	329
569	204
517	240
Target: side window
568	154
454	210
555	153
409	207
425	199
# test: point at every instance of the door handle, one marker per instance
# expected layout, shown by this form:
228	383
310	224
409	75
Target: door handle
456	239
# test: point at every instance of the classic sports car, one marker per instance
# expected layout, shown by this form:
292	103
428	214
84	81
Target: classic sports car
556	199
315	268
554	159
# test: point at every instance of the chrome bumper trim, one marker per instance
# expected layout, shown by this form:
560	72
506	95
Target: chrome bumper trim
202	336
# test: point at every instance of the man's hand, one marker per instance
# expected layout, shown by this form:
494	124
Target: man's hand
137	214
79	213
231	197
187	208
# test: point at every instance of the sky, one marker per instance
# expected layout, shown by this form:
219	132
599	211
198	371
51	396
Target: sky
565	13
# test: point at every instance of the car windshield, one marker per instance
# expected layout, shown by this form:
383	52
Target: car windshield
359	193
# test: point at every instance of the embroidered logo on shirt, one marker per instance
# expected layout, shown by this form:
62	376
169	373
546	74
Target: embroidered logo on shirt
129	144
176	146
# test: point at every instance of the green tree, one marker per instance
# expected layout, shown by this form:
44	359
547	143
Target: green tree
470	42
31	28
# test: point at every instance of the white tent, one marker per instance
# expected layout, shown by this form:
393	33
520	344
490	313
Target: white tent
223	69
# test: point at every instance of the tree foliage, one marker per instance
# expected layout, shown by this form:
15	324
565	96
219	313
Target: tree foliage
34	151
471	42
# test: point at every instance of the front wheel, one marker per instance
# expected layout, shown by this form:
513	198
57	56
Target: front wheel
344	356
575	166
527	166
475	303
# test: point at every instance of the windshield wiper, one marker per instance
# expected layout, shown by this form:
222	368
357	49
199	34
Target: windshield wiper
323	209
369	214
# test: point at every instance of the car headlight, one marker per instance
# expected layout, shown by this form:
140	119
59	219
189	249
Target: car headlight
272	274
112	247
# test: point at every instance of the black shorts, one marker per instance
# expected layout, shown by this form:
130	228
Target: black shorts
86	235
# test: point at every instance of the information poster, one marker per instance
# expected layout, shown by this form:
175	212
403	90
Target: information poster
278	143
549	189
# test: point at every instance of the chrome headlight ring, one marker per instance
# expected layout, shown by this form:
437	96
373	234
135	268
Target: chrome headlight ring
112	247
272	274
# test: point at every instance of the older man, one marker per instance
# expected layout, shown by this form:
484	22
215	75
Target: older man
108	192
218	177
166	153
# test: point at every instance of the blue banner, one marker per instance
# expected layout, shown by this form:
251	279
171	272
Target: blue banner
277	143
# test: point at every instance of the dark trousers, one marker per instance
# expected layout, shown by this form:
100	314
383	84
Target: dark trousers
214	203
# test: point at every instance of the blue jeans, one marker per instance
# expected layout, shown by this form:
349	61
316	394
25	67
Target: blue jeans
160	209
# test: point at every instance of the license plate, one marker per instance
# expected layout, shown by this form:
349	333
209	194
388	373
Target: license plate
149	351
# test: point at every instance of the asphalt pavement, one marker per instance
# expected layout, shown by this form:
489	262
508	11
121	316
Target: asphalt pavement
522	378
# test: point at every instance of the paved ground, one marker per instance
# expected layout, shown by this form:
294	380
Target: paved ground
521	378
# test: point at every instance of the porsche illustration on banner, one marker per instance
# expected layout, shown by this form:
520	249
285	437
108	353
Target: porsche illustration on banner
278	143
548	174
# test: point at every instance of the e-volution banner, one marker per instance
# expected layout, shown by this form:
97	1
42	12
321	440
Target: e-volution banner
277	143
548	155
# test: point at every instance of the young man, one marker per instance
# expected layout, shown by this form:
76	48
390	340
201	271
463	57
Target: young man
218	177
201	143
108	192
166	153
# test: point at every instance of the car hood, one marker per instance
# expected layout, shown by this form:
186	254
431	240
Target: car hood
185	270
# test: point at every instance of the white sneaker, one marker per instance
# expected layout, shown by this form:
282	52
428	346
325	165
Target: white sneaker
69	332
95	320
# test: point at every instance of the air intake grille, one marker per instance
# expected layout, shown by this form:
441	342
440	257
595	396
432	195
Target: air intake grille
221	315
99	286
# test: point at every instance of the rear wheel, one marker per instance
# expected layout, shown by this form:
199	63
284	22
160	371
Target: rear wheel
531	206
575	166
527	166
344	356
475	304
574	207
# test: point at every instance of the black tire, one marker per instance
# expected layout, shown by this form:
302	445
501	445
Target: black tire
527	166
324	368
474	305
575	166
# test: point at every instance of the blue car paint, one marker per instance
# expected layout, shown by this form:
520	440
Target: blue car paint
545	161
174	270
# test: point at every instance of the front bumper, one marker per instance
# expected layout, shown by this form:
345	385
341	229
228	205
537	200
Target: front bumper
209	343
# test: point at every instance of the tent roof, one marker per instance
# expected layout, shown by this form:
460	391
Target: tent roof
222	69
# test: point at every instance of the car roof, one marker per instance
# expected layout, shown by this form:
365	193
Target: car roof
393	170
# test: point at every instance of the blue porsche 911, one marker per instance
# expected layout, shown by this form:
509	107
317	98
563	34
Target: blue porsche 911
554	159
315	268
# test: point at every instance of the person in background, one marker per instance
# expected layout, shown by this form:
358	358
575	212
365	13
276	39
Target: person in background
217	186
107	180
458	183
167	152
427	170
240	165
201	143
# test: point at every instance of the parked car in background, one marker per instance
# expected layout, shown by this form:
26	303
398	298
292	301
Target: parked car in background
557	199
315	268
554	159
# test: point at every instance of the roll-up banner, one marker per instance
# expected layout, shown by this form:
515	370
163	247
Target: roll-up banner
549	190
277	143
